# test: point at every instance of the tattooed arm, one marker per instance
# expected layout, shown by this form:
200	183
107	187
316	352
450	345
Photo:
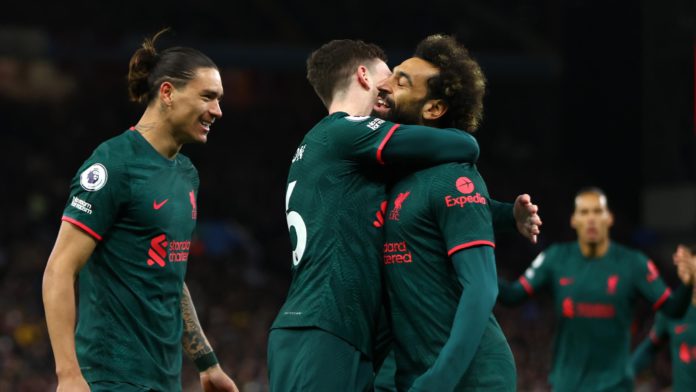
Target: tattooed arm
197	347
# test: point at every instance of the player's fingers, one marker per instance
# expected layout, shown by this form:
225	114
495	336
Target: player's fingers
524	198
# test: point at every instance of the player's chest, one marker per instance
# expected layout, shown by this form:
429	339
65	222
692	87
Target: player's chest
165	200
593	282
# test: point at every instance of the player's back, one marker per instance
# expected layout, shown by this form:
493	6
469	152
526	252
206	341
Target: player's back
332	202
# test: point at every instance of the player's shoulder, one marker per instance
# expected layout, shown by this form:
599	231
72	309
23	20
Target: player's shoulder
561	250
117	146
626	252
462	178
343	120
112	154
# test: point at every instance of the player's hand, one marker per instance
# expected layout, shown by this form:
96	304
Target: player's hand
686	264
72	384
214	379
527	218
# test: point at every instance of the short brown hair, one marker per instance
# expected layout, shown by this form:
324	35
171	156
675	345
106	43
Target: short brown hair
329	67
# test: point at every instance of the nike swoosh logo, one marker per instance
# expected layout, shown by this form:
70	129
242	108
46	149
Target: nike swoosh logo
157	206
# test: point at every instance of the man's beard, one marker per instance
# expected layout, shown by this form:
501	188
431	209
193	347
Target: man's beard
409	114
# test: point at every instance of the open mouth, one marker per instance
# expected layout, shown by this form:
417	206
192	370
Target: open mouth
383	104
206	125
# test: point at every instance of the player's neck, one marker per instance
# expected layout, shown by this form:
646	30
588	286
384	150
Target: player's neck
355	102
157	133
594	250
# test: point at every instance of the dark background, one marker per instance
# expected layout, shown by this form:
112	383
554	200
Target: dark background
580	93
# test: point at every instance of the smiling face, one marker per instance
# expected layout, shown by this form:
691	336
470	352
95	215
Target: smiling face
591	218
195	106
404	94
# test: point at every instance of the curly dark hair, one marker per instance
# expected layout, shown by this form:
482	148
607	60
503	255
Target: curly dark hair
460	83
329	68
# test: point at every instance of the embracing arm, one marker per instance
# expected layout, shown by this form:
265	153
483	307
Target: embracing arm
475	269
197	347
70	253
419	147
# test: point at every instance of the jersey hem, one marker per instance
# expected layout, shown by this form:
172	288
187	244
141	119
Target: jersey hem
469	245
82	226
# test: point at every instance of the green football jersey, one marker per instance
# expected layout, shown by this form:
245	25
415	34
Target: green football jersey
141	207
431	215
681	335
594	300
334	203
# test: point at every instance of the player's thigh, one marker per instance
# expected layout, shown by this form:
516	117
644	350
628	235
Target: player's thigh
312	360
116	386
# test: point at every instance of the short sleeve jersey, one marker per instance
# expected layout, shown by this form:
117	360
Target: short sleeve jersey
333	200
681	337
594	299
141	207
431	215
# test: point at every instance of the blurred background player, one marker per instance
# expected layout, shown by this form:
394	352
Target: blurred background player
595	283
126	232
679	334
439	238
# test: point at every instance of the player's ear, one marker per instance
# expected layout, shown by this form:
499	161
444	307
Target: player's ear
611	219
166	91
434	109
362	76
573	222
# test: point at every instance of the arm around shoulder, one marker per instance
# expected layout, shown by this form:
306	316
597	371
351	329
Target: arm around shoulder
420	146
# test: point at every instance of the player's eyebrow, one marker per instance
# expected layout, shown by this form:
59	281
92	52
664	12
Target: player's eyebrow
399	74
212	93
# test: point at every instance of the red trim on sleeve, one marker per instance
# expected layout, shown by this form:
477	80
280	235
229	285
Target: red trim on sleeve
527	287
132	128
384	142
662	299
469	245
83	227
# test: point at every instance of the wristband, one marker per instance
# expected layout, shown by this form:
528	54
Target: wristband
206	361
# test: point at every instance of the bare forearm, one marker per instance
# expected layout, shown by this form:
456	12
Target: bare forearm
59	304
194	342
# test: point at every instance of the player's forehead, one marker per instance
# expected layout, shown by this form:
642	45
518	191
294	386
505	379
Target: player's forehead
590	200
207	80
417	68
